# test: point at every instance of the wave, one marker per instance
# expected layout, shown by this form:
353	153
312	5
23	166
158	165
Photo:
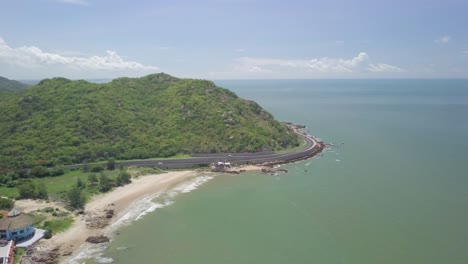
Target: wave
100	259
137	210
192	185
147	203
91	251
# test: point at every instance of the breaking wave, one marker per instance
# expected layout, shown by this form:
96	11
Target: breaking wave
137	210
91	251
192	185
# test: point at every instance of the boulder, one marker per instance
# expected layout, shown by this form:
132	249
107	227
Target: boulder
97	239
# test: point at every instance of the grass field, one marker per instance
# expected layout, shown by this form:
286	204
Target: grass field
19	252
58	225
9	192
58	185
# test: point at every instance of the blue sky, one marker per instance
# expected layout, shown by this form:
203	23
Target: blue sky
234	39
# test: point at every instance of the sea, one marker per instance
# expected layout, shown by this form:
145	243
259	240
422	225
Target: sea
391	187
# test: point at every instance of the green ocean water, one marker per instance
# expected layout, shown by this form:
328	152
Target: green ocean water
392	189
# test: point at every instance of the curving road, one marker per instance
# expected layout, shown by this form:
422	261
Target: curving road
311	148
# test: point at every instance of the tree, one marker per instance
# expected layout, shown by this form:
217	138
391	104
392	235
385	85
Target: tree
104	183
6	204
57	171
48	233
42	191
79	183
110	164
27	189
123	178
21	173
97	168
85	167
92	180
39	172
76	198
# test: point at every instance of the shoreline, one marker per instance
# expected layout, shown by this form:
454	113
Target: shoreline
105	213
69	244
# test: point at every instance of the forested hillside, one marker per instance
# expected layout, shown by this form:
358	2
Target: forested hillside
60	121
11	85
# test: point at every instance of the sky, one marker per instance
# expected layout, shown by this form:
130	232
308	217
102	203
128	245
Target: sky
234	39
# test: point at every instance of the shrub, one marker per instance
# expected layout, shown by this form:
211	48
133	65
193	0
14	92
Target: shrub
97	168
48	234
76	198
123	178
105	183
110	164
6	204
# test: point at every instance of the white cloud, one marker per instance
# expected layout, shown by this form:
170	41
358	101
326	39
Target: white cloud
257	69
70	53
36	61
382	67
443	40
239	50
75	2
465	52
358	64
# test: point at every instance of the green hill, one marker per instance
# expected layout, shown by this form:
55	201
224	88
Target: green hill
11	85
59	121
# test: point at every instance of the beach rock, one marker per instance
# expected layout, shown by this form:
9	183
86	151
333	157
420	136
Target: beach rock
98	220
109	213
67	253
55	249
97	239
44	256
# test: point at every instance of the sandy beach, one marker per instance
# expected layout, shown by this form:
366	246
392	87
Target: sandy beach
118	200
121	200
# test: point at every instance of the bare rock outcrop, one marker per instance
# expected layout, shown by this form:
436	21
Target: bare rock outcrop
43	256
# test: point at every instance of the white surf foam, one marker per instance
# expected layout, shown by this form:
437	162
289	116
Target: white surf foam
153	208
91	251
147	204
100	259
191	185
137	211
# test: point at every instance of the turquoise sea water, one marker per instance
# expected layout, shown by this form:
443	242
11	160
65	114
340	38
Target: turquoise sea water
395	191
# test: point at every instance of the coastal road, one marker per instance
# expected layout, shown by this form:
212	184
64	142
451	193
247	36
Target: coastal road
311	148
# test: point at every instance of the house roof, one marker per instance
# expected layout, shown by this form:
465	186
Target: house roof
18	221
14	212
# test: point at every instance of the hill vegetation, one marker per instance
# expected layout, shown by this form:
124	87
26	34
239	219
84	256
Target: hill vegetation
11	85
59	121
